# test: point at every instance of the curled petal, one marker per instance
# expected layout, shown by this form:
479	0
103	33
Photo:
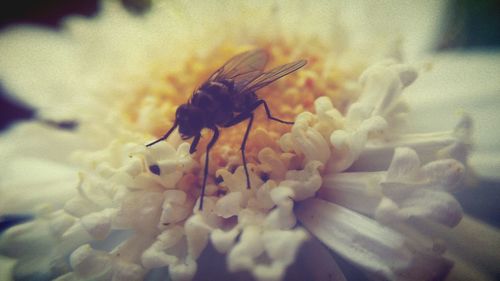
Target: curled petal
140	210
242	256
265	253
446	173
127	271
91	264
222	240
304	183
308	140
272	164
183	271
329	118
281	217
197	234
348	145
404	166
423	203
158	254
98	224
229	205
176	207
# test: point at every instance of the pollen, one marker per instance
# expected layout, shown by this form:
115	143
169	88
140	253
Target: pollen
151	107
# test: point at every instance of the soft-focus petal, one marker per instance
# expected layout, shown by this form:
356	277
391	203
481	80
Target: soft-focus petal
31	58
37	140
36	167
41	246
456	83
472	243
6	267
31	182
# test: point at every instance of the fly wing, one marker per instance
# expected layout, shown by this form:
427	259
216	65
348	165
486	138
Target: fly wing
274	74
242	68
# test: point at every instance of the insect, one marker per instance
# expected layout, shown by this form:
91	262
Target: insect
228	98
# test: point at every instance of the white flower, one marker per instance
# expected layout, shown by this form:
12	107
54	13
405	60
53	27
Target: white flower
359	171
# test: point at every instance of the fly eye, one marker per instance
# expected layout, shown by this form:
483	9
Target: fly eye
182	112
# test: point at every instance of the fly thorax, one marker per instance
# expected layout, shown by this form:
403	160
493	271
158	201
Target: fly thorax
215	96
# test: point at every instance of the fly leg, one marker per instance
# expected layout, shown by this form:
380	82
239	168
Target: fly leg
205	172
194	144
167	134
268	112
243	145
238	119
248	114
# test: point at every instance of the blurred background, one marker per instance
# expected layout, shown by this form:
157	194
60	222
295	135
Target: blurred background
470	24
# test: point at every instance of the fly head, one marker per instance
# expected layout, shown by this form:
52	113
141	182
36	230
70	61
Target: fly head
190	119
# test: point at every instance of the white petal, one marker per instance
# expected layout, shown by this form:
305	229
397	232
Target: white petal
248	248
473	242
369	244
354	236
197	234
98	224
404	166
90	263
222	240
357	191
229	205
183	271
176	208
423	203
127	271
348	145
159	253
377	156
461	82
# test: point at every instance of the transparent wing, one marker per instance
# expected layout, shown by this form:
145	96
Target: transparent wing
274	74
242	68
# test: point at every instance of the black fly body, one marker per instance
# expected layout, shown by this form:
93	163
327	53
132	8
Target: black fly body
226	99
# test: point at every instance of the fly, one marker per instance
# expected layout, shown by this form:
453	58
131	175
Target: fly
228	98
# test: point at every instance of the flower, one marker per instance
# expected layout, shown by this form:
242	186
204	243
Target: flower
350	173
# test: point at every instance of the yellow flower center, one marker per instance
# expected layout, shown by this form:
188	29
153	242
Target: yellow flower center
286	97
